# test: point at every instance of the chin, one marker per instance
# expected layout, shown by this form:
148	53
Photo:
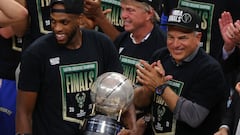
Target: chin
61	42
128	29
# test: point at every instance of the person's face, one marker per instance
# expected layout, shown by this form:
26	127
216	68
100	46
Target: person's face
182	44
64	26
134	15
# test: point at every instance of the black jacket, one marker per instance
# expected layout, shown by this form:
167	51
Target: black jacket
232	115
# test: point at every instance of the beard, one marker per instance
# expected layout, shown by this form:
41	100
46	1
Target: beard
71	36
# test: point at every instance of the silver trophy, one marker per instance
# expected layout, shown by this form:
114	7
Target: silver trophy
111	95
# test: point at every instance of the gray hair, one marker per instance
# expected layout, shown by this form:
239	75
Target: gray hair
149	8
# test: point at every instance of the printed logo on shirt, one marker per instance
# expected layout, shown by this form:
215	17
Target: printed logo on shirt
129	67
205	11
5	111
17	43
163	121
54	61
120	49
114	15
76	82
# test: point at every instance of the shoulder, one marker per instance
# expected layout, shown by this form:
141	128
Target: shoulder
96	38
205	63
203	57
42	42
157	29
124	36
160	54
158	35
94	34
47	38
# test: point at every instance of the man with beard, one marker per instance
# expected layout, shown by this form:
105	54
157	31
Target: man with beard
141	38
59	67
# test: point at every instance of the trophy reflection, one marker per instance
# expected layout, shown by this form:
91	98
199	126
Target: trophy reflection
111	94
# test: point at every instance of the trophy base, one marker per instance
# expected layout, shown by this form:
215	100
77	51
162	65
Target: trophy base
101	125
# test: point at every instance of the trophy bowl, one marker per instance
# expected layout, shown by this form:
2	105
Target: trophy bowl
111	94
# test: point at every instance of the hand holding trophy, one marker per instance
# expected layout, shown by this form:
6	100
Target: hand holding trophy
111	95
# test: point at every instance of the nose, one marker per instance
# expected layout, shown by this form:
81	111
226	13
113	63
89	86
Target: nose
173	42
123	14
57	27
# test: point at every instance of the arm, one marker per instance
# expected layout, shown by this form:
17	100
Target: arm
185	110
129	120
25	106
11	11
20	27
92	9
142	97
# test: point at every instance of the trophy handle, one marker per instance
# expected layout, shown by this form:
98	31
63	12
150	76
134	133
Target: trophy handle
119	115
93	110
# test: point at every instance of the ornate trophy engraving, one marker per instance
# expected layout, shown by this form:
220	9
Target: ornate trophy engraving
111	94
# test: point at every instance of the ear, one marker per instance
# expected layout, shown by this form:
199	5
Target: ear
199	36
81	20
150	14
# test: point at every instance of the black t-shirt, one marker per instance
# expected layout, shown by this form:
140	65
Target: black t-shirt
39	20
62	78
201	81
231	118
10	50
130	53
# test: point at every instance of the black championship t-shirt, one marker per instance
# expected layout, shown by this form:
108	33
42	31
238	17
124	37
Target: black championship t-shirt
199	81
62	78
130	53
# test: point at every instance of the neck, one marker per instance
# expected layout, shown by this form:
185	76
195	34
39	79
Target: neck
139	35
76	42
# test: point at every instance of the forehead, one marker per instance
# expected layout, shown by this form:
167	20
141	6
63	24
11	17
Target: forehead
179	29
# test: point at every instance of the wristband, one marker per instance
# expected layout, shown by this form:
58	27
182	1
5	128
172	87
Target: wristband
160	89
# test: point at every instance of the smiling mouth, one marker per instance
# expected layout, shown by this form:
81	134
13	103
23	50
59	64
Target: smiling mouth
60	37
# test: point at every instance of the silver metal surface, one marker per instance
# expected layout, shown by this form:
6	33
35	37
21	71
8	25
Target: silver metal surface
112	92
